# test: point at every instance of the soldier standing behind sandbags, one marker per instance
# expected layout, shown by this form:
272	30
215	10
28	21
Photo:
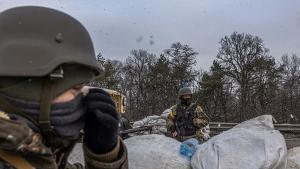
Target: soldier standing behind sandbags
187	119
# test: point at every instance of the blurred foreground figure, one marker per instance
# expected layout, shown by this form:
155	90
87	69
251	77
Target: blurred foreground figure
45	58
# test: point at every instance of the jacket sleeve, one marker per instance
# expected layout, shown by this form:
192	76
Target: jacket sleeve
171	115
170	119
201	119
115	159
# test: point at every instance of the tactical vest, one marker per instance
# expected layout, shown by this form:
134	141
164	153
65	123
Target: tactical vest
184	120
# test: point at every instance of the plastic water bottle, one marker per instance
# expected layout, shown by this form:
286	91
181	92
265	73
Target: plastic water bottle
189	147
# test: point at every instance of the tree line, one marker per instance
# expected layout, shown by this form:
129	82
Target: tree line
243	81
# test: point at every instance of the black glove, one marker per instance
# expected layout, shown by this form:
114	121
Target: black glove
102	122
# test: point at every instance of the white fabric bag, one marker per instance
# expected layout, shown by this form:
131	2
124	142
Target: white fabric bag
253	144
155	152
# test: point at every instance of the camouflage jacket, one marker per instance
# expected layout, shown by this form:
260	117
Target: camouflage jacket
20	147
199	119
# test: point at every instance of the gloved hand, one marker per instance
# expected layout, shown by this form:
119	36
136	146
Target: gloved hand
172	128
102	122
205	131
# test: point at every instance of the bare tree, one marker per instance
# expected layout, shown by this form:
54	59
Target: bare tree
216	94
238	56
136	76
291	86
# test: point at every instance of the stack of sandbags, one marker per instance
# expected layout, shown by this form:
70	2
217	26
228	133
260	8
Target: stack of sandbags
159	128
155	152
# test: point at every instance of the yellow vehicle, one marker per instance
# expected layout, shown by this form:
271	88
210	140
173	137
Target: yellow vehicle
120	102
118	98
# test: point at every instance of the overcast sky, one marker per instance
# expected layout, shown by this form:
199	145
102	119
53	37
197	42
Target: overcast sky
118	26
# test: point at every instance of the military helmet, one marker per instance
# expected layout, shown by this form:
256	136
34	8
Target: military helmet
184	91
36	40
43	52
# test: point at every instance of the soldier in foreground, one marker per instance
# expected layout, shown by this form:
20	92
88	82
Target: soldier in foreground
45	58
187	119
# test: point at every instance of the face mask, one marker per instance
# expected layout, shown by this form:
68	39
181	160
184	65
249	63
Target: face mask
66	118
186	101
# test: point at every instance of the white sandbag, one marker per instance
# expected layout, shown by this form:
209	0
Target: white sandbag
146	121
293	161
253	144
165	113
159	128
155	152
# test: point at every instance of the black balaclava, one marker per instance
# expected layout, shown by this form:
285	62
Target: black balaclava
67	118
25	94
185	101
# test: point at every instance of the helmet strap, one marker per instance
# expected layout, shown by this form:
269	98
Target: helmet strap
46	99
45	108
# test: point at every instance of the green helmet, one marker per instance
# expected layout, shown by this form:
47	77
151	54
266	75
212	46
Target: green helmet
184	91
36	40
43	52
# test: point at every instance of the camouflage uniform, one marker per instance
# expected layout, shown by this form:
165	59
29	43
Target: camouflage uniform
27	146
199	121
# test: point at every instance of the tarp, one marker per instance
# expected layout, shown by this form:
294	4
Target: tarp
155	152
253	144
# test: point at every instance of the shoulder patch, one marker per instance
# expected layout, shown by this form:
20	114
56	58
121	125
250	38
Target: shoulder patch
199	109
173	108
4	115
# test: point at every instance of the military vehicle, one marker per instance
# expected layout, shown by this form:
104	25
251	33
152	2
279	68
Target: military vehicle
119	99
